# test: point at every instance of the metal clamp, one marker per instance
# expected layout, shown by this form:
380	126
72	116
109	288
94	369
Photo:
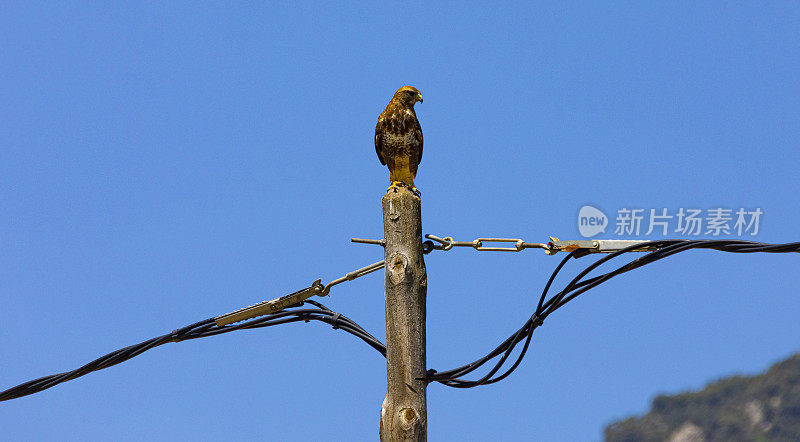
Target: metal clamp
597	245
271	306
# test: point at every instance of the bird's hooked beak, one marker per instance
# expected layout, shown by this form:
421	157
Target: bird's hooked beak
419	98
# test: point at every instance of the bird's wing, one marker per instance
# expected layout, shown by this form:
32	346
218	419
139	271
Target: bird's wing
418	130
379	139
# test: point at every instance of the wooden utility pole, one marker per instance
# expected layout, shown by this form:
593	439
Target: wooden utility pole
404	414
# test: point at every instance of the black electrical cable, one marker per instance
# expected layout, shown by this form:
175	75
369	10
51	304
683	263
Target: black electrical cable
451	377
200	330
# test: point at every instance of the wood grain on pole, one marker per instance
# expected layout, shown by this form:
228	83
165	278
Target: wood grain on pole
404	411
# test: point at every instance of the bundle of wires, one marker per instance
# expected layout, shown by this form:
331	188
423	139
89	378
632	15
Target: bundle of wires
450	378
578	285
197	330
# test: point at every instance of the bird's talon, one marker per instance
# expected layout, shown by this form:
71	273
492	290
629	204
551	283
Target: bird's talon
396	184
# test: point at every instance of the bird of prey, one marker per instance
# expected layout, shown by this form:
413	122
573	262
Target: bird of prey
398	138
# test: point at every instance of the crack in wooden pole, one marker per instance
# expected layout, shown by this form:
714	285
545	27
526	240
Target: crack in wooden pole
404	411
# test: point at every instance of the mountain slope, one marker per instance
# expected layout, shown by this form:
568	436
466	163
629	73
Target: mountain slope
764	407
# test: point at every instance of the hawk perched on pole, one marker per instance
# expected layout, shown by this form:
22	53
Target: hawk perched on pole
398	138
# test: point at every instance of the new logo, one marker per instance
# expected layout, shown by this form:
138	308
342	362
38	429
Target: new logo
591	221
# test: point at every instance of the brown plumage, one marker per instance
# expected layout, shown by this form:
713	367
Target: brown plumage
398	137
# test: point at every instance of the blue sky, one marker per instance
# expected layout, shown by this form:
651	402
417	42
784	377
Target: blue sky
166	162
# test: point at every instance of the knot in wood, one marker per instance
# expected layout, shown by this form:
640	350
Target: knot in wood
398	265
408	418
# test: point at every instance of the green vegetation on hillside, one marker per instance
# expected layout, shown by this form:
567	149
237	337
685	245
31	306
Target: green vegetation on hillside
765	407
